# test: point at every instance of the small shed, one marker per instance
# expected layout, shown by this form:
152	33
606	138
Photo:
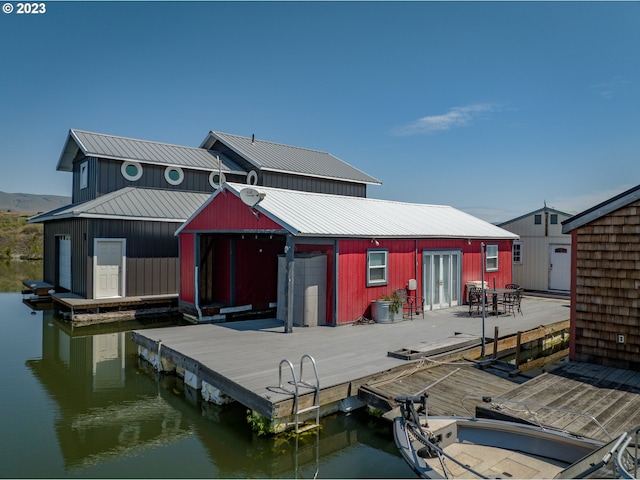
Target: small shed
355	250
605	282
542	255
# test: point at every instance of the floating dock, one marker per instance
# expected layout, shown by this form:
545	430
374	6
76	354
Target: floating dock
88	311
241	360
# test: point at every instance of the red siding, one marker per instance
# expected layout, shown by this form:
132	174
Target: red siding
187	285
256	261
222	269
257	271
227	212
405	262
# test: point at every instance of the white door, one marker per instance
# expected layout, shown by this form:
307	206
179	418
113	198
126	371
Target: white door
108	268
64	262
441	275
560	267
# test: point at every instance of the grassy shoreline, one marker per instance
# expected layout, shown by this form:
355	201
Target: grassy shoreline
20	240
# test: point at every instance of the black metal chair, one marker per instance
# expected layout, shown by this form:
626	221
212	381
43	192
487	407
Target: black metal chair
511	302
474	295
410	304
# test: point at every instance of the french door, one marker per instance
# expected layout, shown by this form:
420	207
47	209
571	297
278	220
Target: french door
441	278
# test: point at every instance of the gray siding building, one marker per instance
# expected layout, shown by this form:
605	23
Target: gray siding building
129	197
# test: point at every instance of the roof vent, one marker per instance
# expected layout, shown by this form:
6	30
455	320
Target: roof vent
253	137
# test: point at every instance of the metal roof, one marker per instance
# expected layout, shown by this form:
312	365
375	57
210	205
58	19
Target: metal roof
316	214
614	203
276	157
122	148
132	203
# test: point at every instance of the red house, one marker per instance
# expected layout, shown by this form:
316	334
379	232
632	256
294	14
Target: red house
327	257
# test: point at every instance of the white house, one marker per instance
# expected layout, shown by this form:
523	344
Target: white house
542	256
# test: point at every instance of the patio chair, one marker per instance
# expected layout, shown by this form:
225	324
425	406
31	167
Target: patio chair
511	302
410	304
474	295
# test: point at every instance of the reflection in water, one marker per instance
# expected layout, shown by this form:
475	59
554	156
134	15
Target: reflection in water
13	272
113	407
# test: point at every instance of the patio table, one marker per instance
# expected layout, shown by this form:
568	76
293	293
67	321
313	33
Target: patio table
495	292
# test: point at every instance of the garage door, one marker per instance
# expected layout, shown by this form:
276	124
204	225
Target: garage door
64	262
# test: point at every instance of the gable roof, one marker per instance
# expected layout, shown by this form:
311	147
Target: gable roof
122	148
540	210
276	157
132	203
602	209
326	215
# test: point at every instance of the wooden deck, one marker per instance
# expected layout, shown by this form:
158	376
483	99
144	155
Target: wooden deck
242	358
611	395
88	311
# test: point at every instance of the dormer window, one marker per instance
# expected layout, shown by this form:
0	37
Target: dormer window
84	174
173	175
132	171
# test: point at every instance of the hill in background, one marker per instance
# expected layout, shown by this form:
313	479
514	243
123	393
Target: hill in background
26	202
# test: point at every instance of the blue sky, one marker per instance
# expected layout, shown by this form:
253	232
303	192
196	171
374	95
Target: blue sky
490	107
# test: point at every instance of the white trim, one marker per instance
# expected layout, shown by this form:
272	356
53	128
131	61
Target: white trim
455	279
513	258
125	174
122	275
221	179
84	174
167	177
486	257
252	178
384	267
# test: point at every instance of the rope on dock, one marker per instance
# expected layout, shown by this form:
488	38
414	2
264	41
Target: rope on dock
363	321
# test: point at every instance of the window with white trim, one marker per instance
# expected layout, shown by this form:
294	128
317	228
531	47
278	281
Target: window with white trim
516	252
84	174
132	171
377	267
491	255
216	179
173	175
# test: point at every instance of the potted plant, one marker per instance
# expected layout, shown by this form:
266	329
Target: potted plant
387	309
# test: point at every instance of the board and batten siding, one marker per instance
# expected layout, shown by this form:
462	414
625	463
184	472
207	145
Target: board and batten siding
405	262
533	273
80	195
312	184
110	178
151	254
606	281
76	229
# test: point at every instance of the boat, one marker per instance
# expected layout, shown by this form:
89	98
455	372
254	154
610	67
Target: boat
470	447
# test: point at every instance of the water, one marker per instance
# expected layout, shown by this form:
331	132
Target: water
78	403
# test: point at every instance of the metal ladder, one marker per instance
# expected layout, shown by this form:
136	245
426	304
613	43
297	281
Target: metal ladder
295	392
